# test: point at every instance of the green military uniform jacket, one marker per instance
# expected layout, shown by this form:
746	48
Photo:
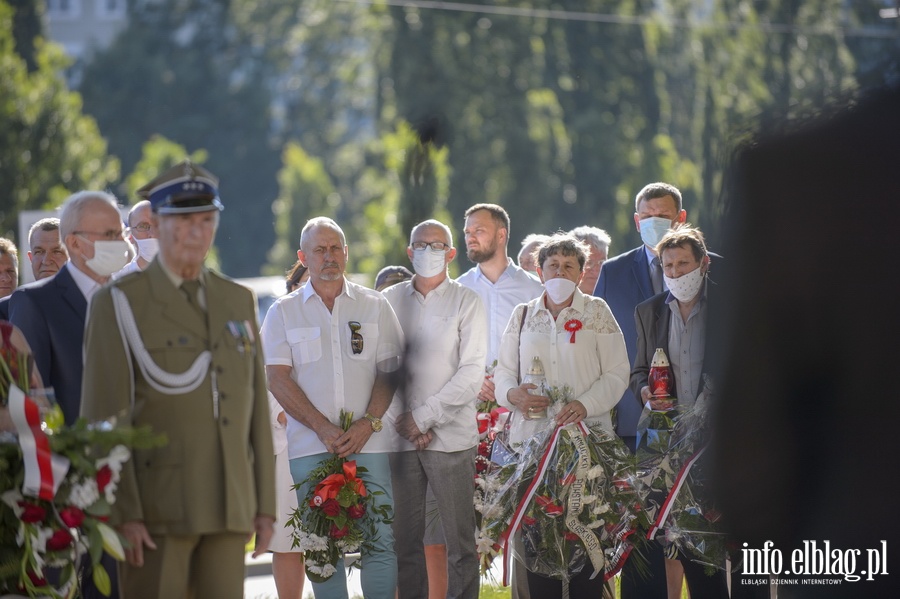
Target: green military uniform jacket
214	474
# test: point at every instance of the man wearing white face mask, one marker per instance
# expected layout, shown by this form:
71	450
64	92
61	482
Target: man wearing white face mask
51	312
676	322
434	416
143	236
625	281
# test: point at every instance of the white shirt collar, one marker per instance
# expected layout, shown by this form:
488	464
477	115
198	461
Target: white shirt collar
86	284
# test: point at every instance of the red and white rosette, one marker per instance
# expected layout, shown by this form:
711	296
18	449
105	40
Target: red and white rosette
44	471
573	326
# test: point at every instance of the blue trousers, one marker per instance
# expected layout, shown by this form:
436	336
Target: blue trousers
379	568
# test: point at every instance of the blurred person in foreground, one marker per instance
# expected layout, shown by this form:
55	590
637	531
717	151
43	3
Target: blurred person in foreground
333	346
598	241
805	341
434	417
174	347
595	366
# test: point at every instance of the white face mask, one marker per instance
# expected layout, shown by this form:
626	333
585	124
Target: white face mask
148	248
685	287
559	289
428	262
653	229
109	257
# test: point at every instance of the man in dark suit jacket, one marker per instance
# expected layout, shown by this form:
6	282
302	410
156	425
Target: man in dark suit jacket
678	315
625	281
51	312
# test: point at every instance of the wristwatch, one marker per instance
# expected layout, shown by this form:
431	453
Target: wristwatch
376	423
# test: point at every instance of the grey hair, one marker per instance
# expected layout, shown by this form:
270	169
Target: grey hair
432	223
594	236
75	205
45	224
136	207
321	221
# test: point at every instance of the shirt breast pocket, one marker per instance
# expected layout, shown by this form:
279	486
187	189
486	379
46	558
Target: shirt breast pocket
442	334
306	344
363	342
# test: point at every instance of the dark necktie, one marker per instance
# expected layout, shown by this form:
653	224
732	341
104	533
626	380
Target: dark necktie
657	275
191	290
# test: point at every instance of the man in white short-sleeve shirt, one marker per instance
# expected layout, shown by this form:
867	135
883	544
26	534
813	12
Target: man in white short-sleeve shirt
331	346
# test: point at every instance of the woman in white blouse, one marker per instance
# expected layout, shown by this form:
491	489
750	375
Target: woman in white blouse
580	345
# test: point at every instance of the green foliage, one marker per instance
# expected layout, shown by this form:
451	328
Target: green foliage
193	79
305	191
48	148
157	155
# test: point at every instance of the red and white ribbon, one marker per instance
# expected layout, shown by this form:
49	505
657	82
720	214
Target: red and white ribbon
43	471
670	499
519	514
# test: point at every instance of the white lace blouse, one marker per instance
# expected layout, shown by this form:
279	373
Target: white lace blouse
595	366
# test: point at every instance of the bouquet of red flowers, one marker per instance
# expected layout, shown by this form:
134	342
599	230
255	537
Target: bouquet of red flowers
338	514
569	495
57	483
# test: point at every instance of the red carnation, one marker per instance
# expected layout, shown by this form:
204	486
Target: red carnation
484	448
36	579
104	475
571	536
339	533
356	511
32	512
72	516
61	539
480	465
331	507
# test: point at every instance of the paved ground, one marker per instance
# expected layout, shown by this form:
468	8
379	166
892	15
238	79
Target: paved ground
259	584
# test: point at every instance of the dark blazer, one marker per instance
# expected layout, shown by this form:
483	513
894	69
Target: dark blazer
51	314
653	319
624	283
4	307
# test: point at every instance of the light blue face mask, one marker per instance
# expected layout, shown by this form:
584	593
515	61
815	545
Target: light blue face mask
653	229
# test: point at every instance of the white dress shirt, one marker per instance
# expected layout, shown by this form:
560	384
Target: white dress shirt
446	335
300	332
596	366
515	286
85	283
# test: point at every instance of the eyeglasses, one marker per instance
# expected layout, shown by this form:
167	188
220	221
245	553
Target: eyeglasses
356	338
141	228
438	246
111	235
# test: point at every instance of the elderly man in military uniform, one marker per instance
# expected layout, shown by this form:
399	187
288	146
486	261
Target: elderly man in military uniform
173	347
